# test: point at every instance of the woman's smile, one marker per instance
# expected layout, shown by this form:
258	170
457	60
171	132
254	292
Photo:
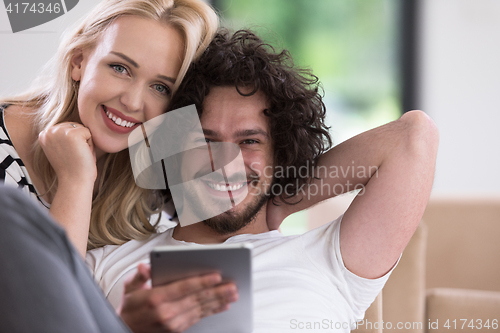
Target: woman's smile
117	122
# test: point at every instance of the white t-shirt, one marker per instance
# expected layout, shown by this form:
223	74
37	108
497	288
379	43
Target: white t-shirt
299	281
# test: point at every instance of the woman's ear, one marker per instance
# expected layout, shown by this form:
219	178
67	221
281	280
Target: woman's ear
76	64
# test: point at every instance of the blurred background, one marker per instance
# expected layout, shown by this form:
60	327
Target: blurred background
379	58
351	45
375	58
355	47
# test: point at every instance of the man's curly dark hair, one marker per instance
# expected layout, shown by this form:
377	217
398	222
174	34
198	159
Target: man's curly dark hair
296	110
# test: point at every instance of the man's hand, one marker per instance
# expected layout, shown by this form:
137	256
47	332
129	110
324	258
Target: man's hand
175	306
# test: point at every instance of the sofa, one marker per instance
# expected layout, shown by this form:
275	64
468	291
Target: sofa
448	278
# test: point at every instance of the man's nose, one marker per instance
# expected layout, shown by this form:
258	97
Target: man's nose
228	158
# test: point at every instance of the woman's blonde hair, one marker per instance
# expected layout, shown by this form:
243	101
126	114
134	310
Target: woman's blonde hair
121	210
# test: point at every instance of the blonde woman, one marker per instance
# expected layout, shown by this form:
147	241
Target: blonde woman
125	60
64	143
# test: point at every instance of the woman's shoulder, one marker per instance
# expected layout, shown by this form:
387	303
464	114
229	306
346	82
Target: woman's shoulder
17	120
17	125
17	110
14	129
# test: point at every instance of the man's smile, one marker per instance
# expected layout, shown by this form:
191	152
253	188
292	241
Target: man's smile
225	187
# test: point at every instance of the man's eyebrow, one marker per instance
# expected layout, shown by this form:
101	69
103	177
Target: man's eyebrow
251	132
123	56
208	132
242	133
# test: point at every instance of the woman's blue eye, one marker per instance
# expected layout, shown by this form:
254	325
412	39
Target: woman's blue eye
162	89
119	69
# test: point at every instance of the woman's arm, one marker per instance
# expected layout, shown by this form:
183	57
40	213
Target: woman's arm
70	151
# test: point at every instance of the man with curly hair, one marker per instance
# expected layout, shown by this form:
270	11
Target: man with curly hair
248	94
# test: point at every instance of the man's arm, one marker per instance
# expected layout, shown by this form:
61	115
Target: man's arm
394	166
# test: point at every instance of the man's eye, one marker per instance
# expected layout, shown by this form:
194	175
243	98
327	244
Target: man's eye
162	89
119	69
250	142
199	140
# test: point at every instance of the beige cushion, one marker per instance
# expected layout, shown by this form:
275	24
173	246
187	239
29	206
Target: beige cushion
463	246
444	305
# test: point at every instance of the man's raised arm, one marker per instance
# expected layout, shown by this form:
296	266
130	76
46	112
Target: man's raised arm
393	165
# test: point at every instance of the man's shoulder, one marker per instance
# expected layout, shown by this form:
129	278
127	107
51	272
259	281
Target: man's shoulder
326	230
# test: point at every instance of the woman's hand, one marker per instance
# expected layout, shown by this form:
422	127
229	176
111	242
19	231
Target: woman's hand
70	151
173	307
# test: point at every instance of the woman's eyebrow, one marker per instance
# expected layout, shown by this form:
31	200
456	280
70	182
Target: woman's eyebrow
136	65
123	56
168	78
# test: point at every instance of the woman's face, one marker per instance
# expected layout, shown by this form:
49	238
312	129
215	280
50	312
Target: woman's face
126	79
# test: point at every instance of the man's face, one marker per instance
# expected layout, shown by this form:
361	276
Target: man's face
229	117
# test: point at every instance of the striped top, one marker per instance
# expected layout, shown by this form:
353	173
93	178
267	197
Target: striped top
12	169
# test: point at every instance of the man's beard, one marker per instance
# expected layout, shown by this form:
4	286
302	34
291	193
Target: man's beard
231	222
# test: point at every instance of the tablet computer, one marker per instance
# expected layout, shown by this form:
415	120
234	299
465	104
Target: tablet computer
232	261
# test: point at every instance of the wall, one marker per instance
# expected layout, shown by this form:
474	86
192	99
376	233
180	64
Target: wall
459	88
24	53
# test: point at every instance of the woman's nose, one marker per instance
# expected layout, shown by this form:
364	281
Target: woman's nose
133	98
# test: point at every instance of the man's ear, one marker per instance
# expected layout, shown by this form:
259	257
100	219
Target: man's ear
76	64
